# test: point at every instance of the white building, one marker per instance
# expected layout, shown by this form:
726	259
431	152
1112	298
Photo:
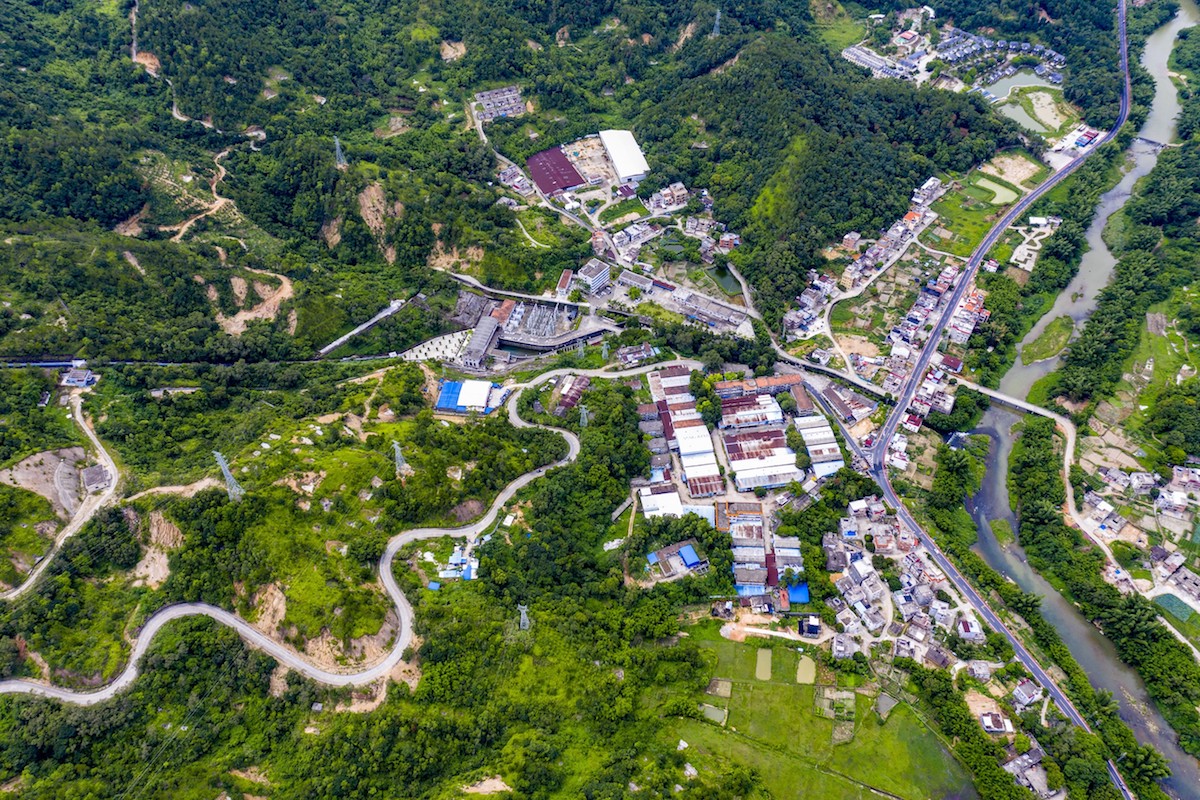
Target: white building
625	155
596	274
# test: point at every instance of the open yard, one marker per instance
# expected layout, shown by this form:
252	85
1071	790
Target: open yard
1018	168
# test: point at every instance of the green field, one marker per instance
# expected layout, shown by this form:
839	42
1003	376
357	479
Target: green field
1181	616
968	214
618	210
834	25
1051	341
772	726
20	514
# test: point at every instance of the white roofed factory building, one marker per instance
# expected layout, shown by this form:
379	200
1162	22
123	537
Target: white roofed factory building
626	157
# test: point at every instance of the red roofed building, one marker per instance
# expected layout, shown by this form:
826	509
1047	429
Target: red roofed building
553	173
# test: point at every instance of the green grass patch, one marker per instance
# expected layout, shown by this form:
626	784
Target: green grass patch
967	215
618	210
21	512
836	27
1002	530
773	727
1050	342
1002	194
1180	616
657	313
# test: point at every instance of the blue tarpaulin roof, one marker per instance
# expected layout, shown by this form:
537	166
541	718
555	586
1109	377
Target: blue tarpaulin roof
688	554
652	558
448	397
798	593
434	586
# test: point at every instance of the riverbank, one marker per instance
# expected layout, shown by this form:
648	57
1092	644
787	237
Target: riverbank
1105	667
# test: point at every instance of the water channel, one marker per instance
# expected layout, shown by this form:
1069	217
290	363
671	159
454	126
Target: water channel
1089	647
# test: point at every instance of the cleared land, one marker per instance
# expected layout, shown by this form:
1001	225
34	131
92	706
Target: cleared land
1016	167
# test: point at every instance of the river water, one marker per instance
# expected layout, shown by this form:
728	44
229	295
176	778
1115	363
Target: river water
1089	647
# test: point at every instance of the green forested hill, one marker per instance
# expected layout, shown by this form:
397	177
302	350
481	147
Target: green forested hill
799	147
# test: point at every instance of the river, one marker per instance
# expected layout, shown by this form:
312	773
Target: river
1089	647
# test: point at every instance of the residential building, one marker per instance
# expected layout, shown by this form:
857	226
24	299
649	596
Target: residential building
1026	694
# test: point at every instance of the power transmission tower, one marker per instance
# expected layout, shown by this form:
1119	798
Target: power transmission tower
604	350
717	25
400	462
338	155
236	492
524	617
583	416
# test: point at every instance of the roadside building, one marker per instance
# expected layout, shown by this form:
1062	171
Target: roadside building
564	284
553	173
596	275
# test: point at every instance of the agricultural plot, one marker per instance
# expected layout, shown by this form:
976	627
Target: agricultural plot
967	213
1181	616
832	746
762	667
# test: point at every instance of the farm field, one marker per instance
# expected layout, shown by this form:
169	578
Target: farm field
774	725
966	213
1181	616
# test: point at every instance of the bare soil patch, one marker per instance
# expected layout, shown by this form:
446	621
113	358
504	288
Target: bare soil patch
1045	108
331	232
493	785
326	651
186	490
150	62
452	51
685	34
271	605
272	298
304	483
133	225
52	474
981	703
858	344
252	774
154	567
1157	324
441	258
240	288
1011	167
133	262
467	510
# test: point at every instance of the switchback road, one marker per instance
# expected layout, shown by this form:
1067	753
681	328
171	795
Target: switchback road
286	655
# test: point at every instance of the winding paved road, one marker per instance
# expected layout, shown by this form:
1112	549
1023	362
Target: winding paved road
286	655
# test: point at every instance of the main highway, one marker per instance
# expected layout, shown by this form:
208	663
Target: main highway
878	457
